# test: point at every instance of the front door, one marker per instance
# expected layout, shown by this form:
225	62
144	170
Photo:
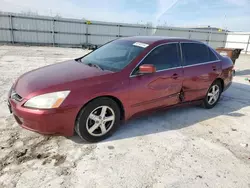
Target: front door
161	88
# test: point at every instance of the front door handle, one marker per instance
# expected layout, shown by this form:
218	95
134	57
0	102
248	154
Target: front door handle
174	76
214	68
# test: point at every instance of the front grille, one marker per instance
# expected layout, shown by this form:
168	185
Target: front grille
15	96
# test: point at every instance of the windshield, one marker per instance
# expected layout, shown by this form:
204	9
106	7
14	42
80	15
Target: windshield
113	56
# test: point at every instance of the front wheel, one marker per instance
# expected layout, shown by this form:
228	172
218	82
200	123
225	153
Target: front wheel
213	95
98	120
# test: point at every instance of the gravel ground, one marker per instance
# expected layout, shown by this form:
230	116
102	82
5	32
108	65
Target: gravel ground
181	147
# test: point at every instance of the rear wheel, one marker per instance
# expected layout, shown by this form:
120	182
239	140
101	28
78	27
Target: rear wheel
98	120
213	95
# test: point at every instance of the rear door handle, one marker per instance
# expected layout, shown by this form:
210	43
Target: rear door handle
214	68
174	76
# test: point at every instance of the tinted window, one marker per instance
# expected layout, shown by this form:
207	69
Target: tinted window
163	57
212	56
113	56
194	53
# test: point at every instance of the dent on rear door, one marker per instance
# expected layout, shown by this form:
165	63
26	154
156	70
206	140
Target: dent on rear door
197	80
201	68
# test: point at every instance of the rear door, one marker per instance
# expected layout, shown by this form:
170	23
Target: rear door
161	88
201	68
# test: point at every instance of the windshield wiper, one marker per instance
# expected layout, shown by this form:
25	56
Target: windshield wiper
94	65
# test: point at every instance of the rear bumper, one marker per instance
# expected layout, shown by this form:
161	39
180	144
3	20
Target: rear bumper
227	86
53	121
228	80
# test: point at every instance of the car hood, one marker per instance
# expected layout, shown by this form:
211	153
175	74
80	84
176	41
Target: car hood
55	75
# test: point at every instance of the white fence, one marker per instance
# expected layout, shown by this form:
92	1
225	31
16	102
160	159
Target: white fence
239	40
41	30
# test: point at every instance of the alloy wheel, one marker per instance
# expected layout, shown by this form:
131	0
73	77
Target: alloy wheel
213	94
100	121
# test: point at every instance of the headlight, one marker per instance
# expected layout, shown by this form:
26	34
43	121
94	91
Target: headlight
48	100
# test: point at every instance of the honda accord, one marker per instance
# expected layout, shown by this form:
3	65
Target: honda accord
92	94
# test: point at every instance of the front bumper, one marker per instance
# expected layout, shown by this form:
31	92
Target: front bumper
60	121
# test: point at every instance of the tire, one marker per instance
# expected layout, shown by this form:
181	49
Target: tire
206	101
91	117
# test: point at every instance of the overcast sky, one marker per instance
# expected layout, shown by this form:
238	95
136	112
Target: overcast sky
230	14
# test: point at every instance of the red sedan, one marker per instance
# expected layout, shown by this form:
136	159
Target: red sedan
94	93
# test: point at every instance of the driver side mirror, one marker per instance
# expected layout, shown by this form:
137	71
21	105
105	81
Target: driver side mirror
147	69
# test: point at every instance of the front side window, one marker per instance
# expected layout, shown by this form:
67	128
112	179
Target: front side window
195	53
163	57
113	56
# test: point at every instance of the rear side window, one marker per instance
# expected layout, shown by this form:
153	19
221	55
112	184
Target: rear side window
164	57
195	53
212	56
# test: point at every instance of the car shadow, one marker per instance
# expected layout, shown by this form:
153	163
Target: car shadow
232	100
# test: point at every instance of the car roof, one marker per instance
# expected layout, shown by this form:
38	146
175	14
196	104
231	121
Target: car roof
153	39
